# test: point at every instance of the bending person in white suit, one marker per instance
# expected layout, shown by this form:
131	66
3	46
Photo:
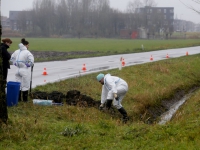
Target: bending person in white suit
113	91
23	59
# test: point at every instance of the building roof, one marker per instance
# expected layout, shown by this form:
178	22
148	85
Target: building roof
14	15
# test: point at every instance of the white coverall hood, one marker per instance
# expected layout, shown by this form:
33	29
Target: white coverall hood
21	46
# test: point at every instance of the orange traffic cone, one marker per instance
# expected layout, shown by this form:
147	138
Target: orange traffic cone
44	72
167	56
123	62
187	53
84	67
151	58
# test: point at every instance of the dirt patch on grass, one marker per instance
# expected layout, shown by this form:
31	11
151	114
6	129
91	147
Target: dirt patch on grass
73	97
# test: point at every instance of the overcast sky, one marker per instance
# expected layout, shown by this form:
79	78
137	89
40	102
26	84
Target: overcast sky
181	11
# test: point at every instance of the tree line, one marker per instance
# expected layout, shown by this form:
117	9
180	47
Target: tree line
80	18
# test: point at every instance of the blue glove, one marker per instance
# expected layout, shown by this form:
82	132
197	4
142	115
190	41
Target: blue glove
27	65
15	64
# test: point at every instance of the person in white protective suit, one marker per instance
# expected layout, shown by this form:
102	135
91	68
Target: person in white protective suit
23	59
113	91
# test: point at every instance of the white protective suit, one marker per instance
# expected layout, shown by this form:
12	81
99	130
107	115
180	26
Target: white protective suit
113	84
20	58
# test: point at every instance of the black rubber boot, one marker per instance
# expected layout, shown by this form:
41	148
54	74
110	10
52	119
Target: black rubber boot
108	103
124	113
19	98
25	96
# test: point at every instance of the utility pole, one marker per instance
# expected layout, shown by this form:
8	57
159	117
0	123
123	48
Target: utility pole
3	106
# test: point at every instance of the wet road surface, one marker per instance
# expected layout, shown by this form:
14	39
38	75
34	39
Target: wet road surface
60	70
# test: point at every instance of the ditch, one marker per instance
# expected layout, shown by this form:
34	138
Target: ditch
158	114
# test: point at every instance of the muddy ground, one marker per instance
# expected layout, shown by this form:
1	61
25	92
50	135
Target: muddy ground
73	97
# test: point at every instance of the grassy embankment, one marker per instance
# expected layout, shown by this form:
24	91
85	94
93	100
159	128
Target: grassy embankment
101	47
39	127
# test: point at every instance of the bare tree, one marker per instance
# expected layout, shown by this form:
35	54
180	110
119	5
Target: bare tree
192	7
133	17
44	15
133	5
73	10
62	12
22	21
149	3
104	21
74	17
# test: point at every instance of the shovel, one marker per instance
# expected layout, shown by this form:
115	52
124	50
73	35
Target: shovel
31	78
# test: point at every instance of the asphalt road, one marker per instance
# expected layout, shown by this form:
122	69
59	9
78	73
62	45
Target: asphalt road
60	70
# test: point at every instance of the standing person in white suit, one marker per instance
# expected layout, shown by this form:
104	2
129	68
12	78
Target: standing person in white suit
113	91
23	60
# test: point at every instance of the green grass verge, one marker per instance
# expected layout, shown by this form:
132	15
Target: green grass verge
40	127
102	45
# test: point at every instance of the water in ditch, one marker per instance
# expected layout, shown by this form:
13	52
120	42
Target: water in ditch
165	117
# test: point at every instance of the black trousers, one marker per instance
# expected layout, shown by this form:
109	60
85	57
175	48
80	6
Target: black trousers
5	73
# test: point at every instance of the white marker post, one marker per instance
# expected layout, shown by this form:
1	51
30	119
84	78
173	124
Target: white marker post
120	64
142	47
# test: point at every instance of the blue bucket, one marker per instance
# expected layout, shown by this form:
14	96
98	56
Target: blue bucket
12	93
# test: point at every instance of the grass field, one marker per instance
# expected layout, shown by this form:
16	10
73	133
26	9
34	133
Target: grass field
81	48
39	127
102	45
